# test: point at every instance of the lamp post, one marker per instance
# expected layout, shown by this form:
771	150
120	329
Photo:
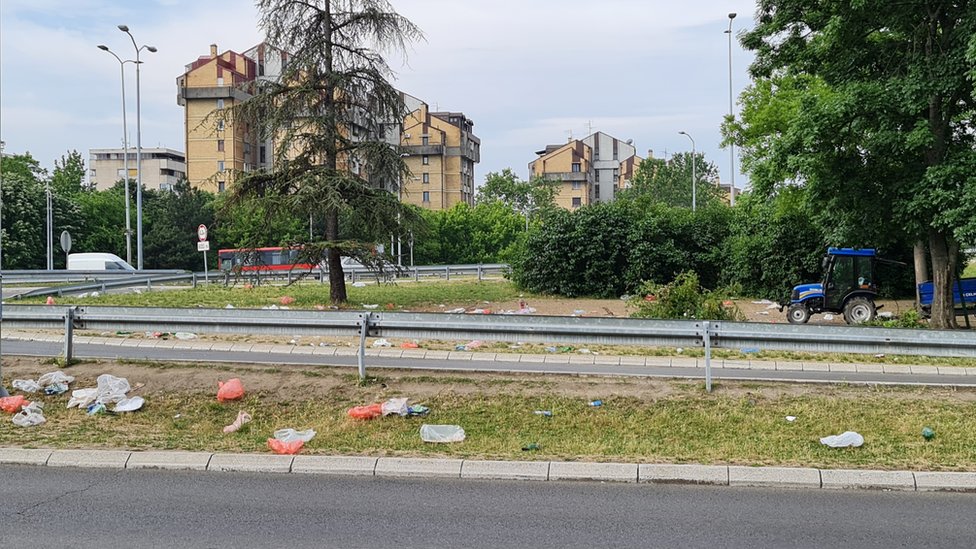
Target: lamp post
731	145
50	226
125	155
138	49
3	391
694	161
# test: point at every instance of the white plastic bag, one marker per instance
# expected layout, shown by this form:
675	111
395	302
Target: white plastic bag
396	406
54	377
29	415
291	435
382	343
82	398
843	440
441	433
27	385
111	388
129	404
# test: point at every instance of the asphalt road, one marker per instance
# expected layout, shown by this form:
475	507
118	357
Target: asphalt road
45	349
52	507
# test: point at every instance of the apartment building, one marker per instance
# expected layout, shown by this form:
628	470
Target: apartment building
439	148
161	168
216	147
589	170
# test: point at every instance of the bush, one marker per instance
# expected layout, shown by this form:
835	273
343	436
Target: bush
684	298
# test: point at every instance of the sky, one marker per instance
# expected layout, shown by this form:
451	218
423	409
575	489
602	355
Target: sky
528	73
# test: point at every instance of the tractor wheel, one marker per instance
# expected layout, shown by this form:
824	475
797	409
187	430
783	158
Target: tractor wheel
859	310
798	313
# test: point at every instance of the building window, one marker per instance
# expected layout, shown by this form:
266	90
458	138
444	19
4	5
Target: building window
220	145
577	185
426	196
596	175
220	103
220	186
576	167
426	177
596	190
426	160
262	154
220	125
425	140
220	165
577	202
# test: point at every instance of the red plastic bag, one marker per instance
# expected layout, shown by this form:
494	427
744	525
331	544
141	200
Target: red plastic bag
288	448
366	412
12	404
233	389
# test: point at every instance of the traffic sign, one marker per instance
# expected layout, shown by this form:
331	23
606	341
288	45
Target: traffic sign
202	232
203	246
65	241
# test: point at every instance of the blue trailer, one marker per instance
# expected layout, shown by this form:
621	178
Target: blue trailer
963	295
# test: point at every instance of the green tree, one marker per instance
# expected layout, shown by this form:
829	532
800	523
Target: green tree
171	222
69	174
102	221
659	181
328	113
485	233
880	118
535	197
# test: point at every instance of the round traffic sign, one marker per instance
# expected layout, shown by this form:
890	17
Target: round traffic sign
202	232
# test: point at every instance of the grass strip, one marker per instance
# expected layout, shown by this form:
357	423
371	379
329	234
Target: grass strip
738	424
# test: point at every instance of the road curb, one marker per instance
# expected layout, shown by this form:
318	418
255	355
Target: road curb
555	471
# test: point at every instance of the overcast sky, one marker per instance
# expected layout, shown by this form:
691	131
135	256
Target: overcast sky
527	72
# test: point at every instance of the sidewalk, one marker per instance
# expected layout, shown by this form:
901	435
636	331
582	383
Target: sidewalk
556	358
428	468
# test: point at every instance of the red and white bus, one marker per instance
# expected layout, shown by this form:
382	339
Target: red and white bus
261	259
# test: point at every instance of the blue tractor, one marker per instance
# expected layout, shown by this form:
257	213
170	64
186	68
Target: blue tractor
849	287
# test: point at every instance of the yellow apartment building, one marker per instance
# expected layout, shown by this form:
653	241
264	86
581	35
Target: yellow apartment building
439	148
589	170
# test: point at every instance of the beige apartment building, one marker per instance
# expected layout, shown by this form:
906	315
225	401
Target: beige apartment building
589	170
161	168
439	148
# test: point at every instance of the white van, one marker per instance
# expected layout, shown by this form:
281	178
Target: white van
97	262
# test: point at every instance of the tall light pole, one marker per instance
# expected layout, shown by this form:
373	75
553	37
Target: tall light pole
694	176
731	145
138	49
50	227
125	154
3	391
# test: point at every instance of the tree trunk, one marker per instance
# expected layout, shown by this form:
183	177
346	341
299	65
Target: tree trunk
944	253
921	269
337	278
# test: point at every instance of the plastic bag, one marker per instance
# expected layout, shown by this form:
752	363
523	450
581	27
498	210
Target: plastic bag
12	404
51	378
396	406
441	433
366	412
129	404
291	435
232	389
242	418
843	440
30	415
288	448
27	385
111	388
82	398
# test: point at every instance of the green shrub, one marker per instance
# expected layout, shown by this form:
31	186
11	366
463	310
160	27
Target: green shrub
684	298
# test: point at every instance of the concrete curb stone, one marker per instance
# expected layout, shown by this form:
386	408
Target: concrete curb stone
420	467
250	463
109	459
605	472
777	477
945	481
867	479
335	465
192	461
505	470
23	456
683	474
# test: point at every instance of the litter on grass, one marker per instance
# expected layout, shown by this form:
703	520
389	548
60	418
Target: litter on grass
285	448
381	343
242	418
843	440
30	415
232	389
291	435
441	433
26	385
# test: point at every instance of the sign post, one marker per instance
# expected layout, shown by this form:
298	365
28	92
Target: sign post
202	246
66	246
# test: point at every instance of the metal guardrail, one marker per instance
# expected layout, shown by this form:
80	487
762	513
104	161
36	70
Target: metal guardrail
59	276
528	328
102	281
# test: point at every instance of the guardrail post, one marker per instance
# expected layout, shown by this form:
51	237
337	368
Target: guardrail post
707	333
194	278
447	273
363	330
69	329
416	274
479	272
148	284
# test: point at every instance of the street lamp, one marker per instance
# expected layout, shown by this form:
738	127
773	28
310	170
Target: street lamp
731	145
3	391
50	226
125	155
694	161
138	49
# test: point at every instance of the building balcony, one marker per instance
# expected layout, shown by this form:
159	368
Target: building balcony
211	92
568	176
414	150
